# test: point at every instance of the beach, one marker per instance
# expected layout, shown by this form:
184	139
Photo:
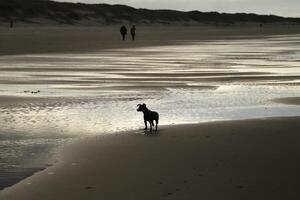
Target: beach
228	99
249	159
80	39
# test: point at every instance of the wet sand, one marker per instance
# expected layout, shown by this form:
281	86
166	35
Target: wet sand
29	40
95	59
250	159
291	101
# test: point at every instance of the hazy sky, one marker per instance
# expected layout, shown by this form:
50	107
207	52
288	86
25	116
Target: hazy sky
279	7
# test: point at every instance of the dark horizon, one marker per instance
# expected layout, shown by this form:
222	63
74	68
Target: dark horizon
106	14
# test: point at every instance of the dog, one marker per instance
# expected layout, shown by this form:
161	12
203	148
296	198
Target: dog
149	116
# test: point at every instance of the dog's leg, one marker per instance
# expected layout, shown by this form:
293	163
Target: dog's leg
145	125
151	124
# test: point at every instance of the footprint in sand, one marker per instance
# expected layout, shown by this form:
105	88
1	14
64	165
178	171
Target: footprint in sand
168	194
89	188
240	187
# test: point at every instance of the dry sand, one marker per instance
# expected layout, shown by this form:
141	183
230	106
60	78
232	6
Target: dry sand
251	159
27	40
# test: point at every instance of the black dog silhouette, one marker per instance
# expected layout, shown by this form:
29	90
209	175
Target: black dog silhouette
149	116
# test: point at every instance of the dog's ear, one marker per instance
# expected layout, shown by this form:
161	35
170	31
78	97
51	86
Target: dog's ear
144	105
138	105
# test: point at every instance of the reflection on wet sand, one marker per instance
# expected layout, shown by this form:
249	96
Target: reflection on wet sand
113	81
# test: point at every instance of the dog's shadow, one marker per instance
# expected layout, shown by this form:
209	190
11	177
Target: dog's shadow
147	132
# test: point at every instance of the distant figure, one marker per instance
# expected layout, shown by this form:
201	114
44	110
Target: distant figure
32	92
123	31
149	116
11	23
132	31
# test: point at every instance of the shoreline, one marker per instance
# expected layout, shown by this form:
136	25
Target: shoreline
247	158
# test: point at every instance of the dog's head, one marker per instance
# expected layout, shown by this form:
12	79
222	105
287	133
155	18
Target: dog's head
141	107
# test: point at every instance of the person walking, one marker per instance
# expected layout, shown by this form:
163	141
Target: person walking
11	23
123	31
132	31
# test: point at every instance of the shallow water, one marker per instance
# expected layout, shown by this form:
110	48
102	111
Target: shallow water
97	93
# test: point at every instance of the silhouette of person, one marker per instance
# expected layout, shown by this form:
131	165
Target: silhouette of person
123	31
132	31
11	23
